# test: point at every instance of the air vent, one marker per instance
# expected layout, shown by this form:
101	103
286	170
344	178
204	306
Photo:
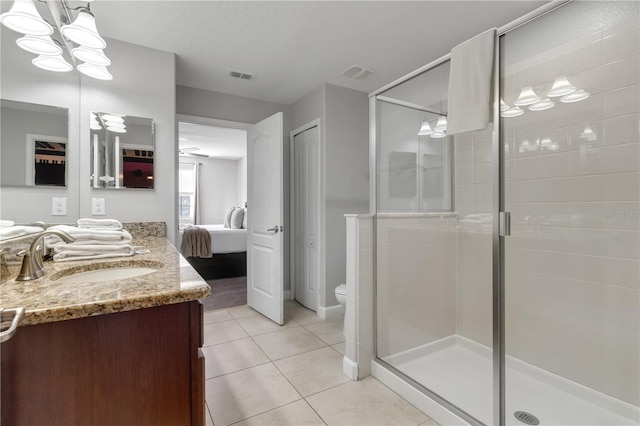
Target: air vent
356	72
242	75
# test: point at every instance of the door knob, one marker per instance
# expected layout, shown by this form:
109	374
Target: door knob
274	229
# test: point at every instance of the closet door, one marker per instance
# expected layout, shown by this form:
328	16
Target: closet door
306	191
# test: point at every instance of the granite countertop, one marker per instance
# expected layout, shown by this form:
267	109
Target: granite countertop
46	300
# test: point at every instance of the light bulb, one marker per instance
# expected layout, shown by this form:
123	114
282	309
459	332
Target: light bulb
512	112
95	71
527	97
24	18
83	31
40	45
438	134
425	129
542	105
561	87
91	56
577	96
441	124
52	63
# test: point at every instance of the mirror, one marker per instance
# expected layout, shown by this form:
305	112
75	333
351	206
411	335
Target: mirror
122	149
33	150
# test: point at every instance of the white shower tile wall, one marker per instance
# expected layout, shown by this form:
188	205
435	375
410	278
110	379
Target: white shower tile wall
415	280
573	187
473	198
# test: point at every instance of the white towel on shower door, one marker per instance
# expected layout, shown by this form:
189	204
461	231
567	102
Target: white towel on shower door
470	85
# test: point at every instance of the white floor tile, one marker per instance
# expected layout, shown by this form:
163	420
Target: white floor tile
297	413
330	330
258	324
284	343
243	394
314	371
365	402
232	356
211	317
221	332
242	311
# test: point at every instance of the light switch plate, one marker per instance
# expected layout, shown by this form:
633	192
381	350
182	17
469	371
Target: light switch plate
98	207
58	206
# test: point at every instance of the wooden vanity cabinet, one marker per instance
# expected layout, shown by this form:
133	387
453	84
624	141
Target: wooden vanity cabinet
139	367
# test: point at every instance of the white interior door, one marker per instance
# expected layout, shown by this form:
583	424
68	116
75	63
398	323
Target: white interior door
265	220
306	187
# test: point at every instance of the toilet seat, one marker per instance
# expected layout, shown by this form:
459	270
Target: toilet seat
341	289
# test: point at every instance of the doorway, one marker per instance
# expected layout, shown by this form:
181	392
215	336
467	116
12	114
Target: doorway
212	188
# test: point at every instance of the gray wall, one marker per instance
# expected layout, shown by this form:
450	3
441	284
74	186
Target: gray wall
218	189
344	129
143	85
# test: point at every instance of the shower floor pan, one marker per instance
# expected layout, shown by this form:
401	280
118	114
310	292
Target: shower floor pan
461	371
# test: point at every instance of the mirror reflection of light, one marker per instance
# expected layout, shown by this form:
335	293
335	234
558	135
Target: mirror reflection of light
588	134
542	105
512	112
561	87
578	95
549	144
527	97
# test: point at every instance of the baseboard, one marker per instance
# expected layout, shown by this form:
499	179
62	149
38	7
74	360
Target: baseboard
330	311
286	295
350	368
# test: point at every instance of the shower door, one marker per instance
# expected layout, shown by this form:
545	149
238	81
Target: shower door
433	228
571	136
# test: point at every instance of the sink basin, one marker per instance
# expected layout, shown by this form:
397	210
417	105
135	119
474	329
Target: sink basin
106	274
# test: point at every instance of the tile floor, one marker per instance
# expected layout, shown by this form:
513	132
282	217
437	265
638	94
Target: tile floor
259	373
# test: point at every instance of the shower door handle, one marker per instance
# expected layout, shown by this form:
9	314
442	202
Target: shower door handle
504	220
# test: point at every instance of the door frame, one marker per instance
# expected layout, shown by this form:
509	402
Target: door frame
320	252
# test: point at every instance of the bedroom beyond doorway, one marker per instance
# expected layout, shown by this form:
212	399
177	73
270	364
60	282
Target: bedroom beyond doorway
212	196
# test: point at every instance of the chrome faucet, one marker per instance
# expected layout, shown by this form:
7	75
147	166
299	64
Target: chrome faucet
32	266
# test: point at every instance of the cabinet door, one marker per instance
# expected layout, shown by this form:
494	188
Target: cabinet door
131	367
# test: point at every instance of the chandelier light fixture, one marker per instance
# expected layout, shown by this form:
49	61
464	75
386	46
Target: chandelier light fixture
439	130
79	35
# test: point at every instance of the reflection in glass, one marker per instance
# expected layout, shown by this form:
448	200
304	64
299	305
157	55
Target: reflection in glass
122	151
33	148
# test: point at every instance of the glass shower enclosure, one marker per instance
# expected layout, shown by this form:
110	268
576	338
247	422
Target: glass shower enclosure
537	322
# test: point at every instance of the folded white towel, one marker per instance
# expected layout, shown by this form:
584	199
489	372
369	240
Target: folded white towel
99	223
6	223
470	84
68	252
18	231
94	236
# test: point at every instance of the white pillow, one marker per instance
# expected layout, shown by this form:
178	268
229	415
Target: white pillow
236	218
227	217
244	219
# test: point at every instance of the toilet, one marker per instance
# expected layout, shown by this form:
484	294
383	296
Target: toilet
341	296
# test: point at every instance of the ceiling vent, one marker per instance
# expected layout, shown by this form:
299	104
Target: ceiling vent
356	72
242	75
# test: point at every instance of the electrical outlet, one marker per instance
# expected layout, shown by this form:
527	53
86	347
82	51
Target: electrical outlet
98	207
59	206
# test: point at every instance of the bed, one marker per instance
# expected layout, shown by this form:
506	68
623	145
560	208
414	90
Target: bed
229	248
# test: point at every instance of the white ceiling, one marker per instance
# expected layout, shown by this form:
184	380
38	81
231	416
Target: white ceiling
294	46
213	141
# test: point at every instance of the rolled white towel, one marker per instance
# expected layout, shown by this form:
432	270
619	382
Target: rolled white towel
99	223
18	231
6	223
68	252
95	236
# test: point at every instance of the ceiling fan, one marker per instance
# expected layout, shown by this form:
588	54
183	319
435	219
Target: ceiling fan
189	151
